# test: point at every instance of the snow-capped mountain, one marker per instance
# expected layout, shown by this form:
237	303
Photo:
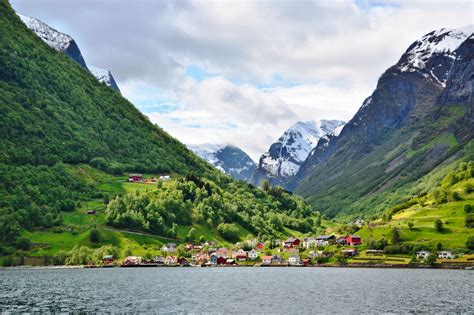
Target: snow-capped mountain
286	155
394	141
227	158
104	76
434	53
66	44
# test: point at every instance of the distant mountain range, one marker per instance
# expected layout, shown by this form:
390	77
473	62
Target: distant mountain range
284	157
416	126
227	158
66	44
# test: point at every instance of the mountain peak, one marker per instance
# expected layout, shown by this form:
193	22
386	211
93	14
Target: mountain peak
52	37
285	156
104	76
425	53
227	158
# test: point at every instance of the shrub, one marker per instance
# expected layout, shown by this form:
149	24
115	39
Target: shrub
395	236
410	225
468	208
228	231
431	259
454	196
438	225
469	220
23	243
470	242
94	236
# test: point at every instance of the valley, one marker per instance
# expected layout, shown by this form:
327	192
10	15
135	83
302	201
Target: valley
398	175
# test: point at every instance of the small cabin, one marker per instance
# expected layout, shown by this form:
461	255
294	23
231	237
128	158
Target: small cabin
90	212
108	259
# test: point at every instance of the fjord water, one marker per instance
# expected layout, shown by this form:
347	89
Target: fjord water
237	290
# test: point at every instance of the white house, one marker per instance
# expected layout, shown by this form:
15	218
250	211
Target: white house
165	177
422	254
322	243
294	260
252	254
309	242
266	260
445	255
169	248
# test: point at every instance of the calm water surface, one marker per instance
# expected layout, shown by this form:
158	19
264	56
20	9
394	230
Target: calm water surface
238	290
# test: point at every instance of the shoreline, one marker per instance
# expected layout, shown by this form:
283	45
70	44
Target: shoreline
348	266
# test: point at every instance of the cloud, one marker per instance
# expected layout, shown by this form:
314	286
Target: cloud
243	71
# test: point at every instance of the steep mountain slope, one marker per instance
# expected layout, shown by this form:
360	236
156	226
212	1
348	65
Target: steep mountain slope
283	159
53	111
66	44
66	144
418	119
227	158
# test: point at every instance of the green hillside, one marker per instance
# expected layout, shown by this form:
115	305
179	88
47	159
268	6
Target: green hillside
451	201
67	145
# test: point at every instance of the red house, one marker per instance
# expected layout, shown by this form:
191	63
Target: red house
353	240
135	178
259	246
292	242
221	260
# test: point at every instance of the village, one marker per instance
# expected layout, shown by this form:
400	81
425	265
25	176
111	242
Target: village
310	251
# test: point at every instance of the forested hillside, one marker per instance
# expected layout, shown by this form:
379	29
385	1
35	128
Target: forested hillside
66	138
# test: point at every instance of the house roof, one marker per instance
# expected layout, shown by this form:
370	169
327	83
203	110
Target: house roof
325	237
266	257
353	236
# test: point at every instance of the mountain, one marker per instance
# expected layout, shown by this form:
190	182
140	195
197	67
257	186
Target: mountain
227	158
66	44
68	144
416	124
104	76
285	156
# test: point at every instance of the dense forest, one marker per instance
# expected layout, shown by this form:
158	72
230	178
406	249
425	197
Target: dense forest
194	200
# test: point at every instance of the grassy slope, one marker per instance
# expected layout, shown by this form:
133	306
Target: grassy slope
366	187
77	224
454	234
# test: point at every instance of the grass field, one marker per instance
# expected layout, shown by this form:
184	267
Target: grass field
453	235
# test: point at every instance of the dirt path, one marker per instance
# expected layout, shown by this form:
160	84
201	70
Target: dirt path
141	233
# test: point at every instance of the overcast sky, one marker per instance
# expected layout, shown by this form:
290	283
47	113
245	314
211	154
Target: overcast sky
241	72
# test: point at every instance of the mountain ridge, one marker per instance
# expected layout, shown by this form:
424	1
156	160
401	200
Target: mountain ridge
400	133
284	157
227	158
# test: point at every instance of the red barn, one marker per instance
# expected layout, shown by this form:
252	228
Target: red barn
353	240
292	242
221	260
135	178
